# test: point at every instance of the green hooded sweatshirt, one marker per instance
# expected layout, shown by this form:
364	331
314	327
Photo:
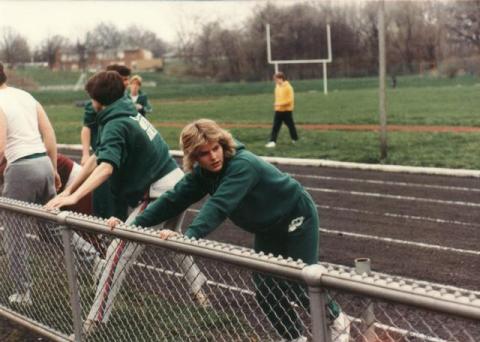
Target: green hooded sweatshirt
135	149
251	192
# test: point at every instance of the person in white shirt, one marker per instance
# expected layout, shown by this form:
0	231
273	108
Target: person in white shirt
27	141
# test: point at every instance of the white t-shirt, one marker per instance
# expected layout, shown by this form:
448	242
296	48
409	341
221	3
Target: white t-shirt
23	135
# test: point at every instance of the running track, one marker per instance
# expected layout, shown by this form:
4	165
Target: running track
419	226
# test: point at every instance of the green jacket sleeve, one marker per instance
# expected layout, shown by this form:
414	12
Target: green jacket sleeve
237	182
113	146
172	203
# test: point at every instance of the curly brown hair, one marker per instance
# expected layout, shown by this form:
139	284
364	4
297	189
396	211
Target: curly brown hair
201	132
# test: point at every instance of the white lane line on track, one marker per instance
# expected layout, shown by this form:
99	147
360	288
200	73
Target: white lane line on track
380	182
399	242
390	240
342	165
401	216
395	197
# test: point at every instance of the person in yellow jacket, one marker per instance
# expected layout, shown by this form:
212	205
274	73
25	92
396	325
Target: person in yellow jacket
284	101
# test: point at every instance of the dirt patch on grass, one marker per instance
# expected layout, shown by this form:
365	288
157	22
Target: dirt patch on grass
339	127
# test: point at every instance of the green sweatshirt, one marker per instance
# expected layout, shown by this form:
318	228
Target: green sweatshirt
254	194
142	99
135	149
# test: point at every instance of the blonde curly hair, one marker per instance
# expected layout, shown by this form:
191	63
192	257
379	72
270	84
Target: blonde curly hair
201	132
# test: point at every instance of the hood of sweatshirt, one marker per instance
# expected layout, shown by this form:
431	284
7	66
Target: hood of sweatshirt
121	108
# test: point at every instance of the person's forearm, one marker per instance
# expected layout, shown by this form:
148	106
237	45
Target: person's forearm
48	135
85	137
100	174
86	171
50	142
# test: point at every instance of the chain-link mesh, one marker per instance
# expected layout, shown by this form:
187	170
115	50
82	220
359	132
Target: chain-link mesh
169	296
156	303
34	281
378	320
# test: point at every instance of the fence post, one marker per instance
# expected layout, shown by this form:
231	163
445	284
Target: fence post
312	275
72	283
363	266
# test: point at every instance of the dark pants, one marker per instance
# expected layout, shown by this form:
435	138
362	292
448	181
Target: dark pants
286	117
275	294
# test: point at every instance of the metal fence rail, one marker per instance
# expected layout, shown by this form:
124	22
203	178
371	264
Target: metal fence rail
245	296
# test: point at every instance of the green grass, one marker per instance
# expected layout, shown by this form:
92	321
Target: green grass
137	312
44	77
417	100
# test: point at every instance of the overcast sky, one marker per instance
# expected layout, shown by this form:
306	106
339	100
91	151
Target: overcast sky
37	19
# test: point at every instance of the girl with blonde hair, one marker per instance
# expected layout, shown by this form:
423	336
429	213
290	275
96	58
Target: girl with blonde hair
138	97
256	197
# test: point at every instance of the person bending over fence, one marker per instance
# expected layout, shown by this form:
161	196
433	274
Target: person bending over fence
133	155
28	143
258	198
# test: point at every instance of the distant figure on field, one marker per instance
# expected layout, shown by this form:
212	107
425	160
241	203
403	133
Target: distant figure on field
284	102
28	142
138	97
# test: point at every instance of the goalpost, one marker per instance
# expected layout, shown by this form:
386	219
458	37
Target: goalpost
303	61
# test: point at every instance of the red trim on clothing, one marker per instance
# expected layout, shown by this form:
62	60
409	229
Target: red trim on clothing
118	253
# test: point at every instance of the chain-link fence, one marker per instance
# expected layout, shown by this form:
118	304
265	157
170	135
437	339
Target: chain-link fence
57	278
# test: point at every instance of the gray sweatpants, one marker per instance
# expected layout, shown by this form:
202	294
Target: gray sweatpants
29	180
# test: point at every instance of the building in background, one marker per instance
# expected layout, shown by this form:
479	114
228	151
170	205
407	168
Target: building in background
135	59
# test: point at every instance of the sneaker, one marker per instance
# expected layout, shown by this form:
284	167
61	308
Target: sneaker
271	144
21	298
201	298
89	327
294	142
98	267
340	328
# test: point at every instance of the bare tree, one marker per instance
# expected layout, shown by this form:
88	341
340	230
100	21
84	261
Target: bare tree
137	37
50	48
465	23
80	48
104	36
14	48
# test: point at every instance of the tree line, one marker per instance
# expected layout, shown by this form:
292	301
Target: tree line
436	36
14	48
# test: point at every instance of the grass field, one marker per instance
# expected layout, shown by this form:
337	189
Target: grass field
417	100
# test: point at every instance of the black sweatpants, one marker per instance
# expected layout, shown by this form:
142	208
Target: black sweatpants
286	117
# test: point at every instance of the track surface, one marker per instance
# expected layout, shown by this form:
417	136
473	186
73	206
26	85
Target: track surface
419	226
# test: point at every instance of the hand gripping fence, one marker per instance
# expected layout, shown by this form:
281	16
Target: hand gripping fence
50	263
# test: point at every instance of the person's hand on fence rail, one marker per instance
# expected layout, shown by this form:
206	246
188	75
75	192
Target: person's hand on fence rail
113	222
62	200
167	233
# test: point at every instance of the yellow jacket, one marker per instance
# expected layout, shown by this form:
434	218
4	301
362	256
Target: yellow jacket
284	98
